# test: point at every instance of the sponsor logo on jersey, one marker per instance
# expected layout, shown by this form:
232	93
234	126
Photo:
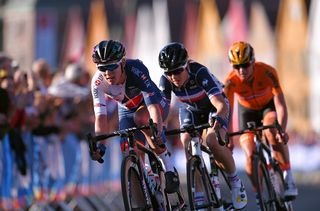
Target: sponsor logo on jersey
143	77
150	94
97	82
95	93
205	82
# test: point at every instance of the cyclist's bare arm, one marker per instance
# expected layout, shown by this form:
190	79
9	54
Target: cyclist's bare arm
282	115
100	128
218	102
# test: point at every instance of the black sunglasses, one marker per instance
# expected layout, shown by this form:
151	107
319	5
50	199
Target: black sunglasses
238	66
109	67
175	72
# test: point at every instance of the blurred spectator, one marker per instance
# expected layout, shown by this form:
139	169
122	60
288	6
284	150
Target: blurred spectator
42	74
5	62
4	111
71	84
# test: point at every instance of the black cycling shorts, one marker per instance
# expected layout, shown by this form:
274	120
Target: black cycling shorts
248	115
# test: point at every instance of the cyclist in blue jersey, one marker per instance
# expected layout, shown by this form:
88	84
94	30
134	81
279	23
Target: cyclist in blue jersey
203	98
128	82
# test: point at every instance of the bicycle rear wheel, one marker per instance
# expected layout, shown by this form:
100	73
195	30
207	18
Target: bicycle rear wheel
265	191
134	190
198	181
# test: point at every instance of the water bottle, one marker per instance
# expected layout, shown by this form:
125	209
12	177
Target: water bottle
216	184
214	177
151	180
154	183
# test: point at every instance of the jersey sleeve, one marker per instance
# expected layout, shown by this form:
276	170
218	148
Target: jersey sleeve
98	96
144	82
272	75
208	82
166	87
229	91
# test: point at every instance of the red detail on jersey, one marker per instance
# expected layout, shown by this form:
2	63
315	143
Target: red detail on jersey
99	105
194	99
132	103
97	82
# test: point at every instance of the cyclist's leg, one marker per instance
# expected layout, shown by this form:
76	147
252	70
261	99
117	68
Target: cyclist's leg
246	140
187	117
126	121
172	179
223	156
280	153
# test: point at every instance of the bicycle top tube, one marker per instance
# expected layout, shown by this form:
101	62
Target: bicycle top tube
187	129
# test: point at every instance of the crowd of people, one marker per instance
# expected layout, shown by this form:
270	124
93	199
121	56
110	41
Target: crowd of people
45	116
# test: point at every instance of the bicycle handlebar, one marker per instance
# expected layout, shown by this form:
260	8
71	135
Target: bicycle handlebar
251	129
121	133
192	128
92	140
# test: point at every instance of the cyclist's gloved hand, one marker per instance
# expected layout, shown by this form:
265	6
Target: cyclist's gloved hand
158	133
220	127
217	122
98	153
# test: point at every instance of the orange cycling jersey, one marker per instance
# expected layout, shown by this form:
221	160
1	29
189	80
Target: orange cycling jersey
259	92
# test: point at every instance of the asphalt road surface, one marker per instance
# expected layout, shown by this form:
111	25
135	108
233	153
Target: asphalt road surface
308	200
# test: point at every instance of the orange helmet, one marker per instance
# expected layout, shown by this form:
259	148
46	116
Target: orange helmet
240	53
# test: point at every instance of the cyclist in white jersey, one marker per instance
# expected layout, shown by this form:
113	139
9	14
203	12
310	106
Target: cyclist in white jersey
128	82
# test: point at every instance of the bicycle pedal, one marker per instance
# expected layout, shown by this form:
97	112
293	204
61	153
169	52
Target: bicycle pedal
228	206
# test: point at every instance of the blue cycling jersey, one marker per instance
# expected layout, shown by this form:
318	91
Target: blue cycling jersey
197	91
137	90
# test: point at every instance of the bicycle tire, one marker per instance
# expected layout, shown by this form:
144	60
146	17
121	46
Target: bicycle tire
134	193
196	173
283	204
265	191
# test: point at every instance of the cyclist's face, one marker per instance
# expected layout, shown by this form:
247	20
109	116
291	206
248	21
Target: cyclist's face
113	73
244	71
178	77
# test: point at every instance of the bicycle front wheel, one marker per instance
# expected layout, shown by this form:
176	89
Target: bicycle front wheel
201	193
265	191
279	187
134	191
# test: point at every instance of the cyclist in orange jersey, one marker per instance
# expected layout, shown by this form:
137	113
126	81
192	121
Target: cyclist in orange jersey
260	99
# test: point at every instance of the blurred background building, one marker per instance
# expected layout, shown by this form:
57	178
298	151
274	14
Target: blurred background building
283	33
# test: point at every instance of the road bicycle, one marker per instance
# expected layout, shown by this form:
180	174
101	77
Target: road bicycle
140	189
270	183
199	179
